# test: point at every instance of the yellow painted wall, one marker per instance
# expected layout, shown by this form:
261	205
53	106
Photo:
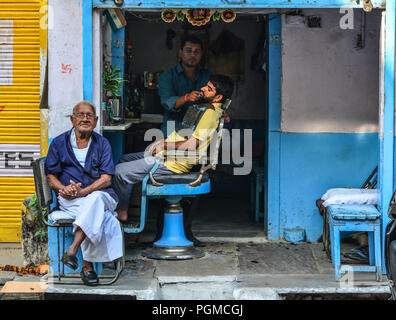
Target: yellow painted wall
12	192
20	101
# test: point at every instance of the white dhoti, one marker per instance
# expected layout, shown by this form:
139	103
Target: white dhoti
95	215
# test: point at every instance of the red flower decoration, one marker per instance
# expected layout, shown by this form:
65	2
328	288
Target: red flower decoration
228	15
168	15
198	17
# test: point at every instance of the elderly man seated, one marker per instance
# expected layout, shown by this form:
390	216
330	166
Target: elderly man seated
203	124
79	167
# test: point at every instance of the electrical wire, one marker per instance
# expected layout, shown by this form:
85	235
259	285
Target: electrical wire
139	16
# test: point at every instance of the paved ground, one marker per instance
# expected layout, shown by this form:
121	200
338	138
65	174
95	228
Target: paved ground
228	271
239	263
11	253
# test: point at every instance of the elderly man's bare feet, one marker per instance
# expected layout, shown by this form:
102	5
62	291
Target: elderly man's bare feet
122	215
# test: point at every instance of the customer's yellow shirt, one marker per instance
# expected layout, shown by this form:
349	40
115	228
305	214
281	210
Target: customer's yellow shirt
204	132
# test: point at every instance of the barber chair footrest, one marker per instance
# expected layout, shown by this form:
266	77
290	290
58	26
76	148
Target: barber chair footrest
173	253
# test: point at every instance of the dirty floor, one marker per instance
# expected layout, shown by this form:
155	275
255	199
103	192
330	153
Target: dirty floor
239	263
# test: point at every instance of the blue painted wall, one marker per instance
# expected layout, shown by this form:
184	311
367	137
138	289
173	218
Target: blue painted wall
313	163
117	55
87	51
272	144
302	166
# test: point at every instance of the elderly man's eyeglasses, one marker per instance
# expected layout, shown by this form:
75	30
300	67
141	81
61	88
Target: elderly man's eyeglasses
81	116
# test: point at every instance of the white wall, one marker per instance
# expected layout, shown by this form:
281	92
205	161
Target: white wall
328	85
64	47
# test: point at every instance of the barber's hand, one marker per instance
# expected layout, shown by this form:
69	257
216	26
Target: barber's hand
227	118
194	96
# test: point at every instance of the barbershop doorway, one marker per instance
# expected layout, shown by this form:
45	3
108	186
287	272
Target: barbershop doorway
219	218
236	49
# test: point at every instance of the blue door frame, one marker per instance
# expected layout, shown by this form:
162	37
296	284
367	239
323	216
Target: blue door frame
386	161
386	143
273	138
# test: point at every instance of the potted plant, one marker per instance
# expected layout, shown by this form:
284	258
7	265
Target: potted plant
111	88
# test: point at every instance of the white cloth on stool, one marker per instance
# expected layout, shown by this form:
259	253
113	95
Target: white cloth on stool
350	196
95	215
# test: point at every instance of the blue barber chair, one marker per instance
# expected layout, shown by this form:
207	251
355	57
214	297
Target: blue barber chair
173	245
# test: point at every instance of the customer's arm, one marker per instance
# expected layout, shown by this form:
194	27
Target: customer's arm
188	145
204	130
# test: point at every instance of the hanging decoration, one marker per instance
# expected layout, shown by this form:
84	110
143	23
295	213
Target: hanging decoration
198	17
216	16
228	15
168	15
180	15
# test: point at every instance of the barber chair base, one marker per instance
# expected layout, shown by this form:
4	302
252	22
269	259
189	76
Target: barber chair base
173	244
173	253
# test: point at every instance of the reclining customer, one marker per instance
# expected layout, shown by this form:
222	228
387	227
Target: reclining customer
134	167
79	167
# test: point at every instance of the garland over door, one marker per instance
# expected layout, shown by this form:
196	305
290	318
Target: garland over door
19	109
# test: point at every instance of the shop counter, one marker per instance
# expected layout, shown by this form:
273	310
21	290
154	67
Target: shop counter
116	136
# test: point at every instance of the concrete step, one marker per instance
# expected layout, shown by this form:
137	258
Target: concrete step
11	254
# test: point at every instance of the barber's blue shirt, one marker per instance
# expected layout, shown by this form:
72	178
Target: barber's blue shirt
62	161
173	84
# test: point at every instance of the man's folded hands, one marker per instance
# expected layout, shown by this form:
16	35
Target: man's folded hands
72	191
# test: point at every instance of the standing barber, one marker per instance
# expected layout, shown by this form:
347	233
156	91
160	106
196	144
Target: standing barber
180	86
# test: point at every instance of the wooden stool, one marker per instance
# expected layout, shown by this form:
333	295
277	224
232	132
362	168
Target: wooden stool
365	218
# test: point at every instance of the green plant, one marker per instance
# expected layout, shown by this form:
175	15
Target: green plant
112	80
41	231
